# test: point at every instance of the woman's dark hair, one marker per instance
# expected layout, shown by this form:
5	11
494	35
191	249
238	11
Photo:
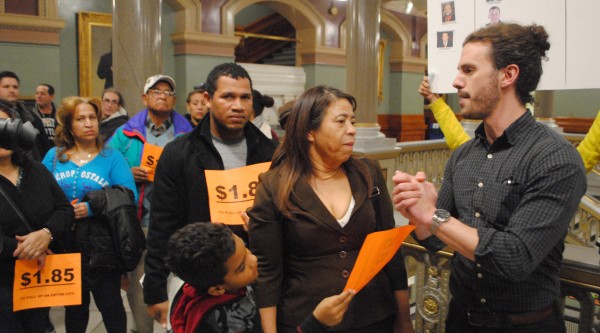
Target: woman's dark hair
197	253
192	93
524	46
292	155
284	112
63	137
260	102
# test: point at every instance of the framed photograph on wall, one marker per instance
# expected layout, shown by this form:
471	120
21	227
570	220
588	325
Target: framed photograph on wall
94	32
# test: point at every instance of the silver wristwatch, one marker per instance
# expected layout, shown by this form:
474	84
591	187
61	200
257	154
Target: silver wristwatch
439	216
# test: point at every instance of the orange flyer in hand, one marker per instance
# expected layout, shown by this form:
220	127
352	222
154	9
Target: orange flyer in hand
57	284
232	191
377	250
150	157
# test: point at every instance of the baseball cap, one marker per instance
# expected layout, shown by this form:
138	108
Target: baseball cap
151	81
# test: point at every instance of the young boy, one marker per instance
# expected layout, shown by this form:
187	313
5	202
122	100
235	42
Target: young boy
218	269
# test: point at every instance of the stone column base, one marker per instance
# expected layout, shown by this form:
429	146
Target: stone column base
369	139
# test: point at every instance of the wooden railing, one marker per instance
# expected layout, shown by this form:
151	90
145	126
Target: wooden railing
430	272
262	38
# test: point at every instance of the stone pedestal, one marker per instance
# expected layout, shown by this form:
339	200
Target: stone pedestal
283	83
470	126
369	139
550	122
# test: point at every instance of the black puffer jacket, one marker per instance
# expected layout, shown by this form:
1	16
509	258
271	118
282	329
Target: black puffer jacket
116	239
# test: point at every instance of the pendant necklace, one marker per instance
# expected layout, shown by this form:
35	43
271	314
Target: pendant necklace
81	161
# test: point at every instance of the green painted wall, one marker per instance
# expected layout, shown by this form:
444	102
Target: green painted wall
404	95
33	64
583	103
190	71
452	100
329	75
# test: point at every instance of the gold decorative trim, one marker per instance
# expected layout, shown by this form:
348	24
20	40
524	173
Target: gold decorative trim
28	29
380	63
323	56
204	44
85	22
30	23
263	36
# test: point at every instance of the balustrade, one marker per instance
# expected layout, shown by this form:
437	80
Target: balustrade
430	272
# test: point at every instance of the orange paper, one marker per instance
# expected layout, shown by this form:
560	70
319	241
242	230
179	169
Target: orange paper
57	284
232	191
377	250
150	157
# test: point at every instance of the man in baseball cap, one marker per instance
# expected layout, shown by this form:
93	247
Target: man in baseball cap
154	79
157	125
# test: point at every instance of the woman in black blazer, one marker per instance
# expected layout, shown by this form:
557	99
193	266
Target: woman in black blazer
312	213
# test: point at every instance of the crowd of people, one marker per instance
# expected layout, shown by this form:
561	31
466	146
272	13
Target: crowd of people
504	206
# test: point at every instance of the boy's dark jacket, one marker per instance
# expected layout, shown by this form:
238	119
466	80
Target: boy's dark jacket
190	309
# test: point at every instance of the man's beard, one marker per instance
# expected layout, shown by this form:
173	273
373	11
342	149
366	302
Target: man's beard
483	105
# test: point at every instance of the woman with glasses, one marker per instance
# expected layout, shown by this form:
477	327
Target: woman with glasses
113	113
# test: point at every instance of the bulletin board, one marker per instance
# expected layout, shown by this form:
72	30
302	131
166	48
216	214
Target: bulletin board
572	59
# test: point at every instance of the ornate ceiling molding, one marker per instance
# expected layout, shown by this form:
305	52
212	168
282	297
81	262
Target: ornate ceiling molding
31	23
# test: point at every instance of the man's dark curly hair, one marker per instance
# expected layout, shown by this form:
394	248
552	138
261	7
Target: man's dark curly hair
524	46
229	69
197	253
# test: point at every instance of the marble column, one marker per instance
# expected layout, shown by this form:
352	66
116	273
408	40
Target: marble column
362	66
137	51
362	47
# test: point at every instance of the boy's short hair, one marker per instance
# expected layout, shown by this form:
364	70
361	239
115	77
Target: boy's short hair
197	254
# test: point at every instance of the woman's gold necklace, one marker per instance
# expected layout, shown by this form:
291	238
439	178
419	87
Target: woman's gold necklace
328	178
84	161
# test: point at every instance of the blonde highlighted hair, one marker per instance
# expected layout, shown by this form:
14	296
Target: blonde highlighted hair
63	137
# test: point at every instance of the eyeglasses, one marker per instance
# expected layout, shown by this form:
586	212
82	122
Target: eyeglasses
156	92
108	101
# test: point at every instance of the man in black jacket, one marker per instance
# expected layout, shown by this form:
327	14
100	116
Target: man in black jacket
223	140
9	91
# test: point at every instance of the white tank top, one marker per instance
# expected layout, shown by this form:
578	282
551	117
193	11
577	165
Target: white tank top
344	220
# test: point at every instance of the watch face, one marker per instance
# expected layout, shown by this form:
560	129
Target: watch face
442	215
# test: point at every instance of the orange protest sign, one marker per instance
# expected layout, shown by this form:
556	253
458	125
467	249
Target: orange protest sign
150	157
58	283
377	250
232	191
